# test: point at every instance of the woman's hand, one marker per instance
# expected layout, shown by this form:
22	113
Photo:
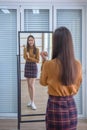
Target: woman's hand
44	55
24	46
27	54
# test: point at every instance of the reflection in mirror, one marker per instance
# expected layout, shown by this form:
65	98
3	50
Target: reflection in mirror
43	41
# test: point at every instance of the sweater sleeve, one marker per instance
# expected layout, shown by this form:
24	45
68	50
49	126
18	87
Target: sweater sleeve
37	58
74	88
44	75
79	80
24	53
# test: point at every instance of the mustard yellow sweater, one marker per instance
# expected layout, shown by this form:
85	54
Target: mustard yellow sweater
50	76
32	57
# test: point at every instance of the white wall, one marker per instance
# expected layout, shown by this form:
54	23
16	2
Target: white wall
49	1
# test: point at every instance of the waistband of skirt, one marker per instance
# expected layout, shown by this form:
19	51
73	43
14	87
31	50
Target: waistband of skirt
60	97
30	62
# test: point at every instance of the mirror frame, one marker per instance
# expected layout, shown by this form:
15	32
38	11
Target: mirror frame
19	83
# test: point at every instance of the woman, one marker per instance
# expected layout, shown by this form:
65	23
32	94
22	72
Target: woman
31	55
63	76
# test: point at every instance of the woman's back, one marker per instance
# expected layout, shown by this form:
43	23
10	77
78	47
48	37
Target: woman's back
51	76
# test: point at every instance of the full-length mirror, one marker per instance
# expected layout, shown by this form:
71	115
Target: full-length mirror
43	41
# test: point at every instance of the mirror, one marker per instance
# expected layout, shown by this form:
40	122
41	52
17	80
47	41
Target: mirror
43	41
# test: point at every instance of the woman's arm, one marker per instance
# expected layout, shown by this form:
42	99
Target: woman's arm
36	59
79	78
44	68
25	52
44	74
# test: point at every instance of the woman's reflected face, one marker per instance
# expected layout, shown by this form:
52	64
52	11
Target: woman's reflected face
31	41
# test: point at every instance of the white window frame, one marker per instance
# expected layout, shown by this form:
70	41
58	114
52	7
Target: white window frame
36	6
8	5
68	6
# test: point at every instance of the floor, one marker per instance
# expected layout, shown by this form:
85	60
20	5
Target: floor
11	124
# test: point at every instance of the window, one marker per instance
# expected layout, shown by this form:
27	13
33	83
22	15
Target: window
8	64
72	19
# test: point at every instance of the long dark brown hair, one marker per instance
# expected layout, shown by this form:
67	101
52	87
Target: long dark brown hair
28	46
63	50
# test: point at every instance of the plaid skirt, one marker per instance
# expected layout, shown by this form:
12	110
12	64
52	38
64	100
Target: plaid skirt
30	70
61	113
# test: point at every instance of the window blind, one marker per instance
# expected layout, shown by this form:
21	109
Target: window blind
36	21
8	64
